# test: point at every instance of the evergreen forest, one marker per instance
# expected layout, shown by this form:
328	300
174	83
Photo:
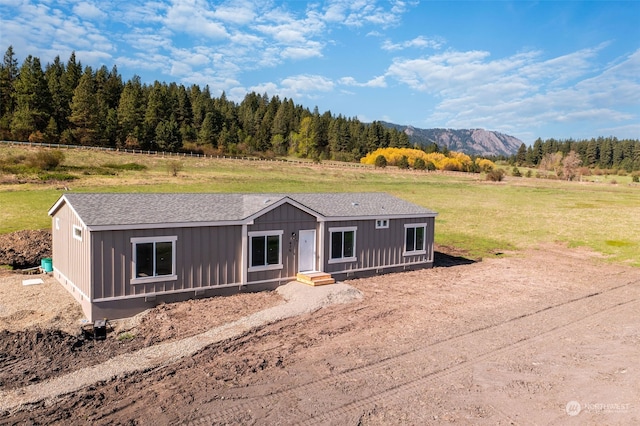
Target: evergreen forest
71	104
606	153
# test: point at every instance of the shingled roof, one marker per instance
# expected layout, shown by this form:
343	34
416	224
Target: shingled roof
128	209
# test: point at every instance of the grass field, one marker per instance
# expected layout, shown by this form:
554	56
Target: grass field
481	217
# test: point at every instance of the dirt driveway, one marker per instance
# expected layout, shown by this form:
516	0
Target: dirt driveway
547	336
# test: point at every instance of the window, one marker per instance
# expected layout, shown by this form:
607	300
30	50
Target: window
382	223
343	244
57	223
77	232
265	250
415	238
154	259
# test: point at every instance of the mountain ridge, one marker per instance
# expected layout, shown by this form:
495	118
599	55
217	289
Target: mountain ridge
469	141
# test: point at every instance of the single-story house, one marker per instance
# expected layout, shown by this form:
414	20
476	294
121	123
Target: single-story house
119	254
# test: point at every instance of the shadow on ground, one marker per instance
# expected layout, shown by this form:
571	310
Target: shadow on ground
445	258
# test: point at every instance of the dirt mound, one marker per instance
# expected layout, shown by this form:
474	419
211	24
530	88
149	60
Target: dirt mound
31	356
25	249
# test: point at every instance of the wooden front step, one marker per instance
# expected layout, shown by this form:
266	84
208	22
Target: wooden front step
315	278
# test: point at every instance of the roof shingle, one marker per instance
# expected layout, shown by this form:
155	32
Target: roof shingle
105	209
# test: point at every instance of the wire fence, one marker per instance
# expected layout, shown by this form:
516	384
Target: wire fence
185	154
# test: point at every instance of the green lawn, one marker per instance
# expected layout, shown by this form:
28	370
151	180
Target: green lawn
482	217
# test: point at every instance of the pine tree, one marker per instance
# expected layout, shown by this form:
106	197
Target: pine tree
131	111
592	153
71	77
51	133
33	100
60	108
8	76
208	134
168	136
606	154
85	113
537	152
156	110
521	156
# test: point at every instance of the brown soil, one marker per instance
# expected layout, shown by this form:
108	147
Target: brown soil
509	340
24	249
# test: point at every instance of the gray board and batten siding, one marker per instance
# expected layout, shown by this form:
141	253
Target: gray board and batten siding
209	240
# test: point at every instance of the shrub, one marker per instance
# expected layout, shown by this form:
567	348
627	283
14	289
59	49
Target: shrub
61	176
419	164
125	336
485	165
126	166
529	173
174	167
37	137
516	172
67	137
635	178
495	175
403	163
381	161
46	160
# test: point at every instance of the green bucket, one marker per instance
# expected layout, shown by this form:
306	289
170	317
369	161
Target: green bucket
47	264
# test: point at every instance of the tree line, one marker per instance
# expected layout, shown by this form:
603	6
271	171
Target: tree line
71	104
604	153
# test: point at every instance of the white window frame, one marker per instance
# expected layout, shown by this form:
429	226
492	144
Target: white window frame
424	242
271	267
343	229
77	232
382	223
57	223
156	278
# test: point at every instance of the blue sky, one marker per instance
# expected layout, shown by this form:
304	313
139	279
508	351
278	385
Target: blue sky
529	69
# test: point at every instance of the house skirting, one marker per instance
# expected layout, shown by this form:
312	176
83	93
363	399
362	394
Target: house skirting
377	270
128	306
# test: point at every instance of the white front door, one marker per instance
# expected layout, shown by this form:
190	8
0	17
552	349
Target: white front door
307	250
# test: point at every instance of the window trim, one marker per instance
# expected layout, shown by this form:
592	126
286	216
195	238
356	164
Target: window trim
424	242
271	267
343	229
382	223
77	233
156	278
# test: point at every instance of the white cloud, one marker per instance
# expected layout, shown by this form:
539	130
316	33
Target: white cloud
523	90
304	84
378	81
147	12
88	10
311	49
419	42
147	42
297	86
630	131
359	13
236	12
194	17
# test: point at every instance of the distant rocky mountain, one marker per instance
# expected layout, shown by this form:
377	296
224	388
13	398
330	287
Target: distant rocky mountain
469	141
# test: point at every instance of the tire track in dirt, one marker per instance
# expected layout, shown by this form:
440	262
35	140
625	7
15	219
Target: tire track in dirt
408	375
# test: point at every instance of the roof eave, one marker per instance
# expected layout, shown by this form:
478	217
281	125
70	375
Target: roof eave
382	216
166	225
